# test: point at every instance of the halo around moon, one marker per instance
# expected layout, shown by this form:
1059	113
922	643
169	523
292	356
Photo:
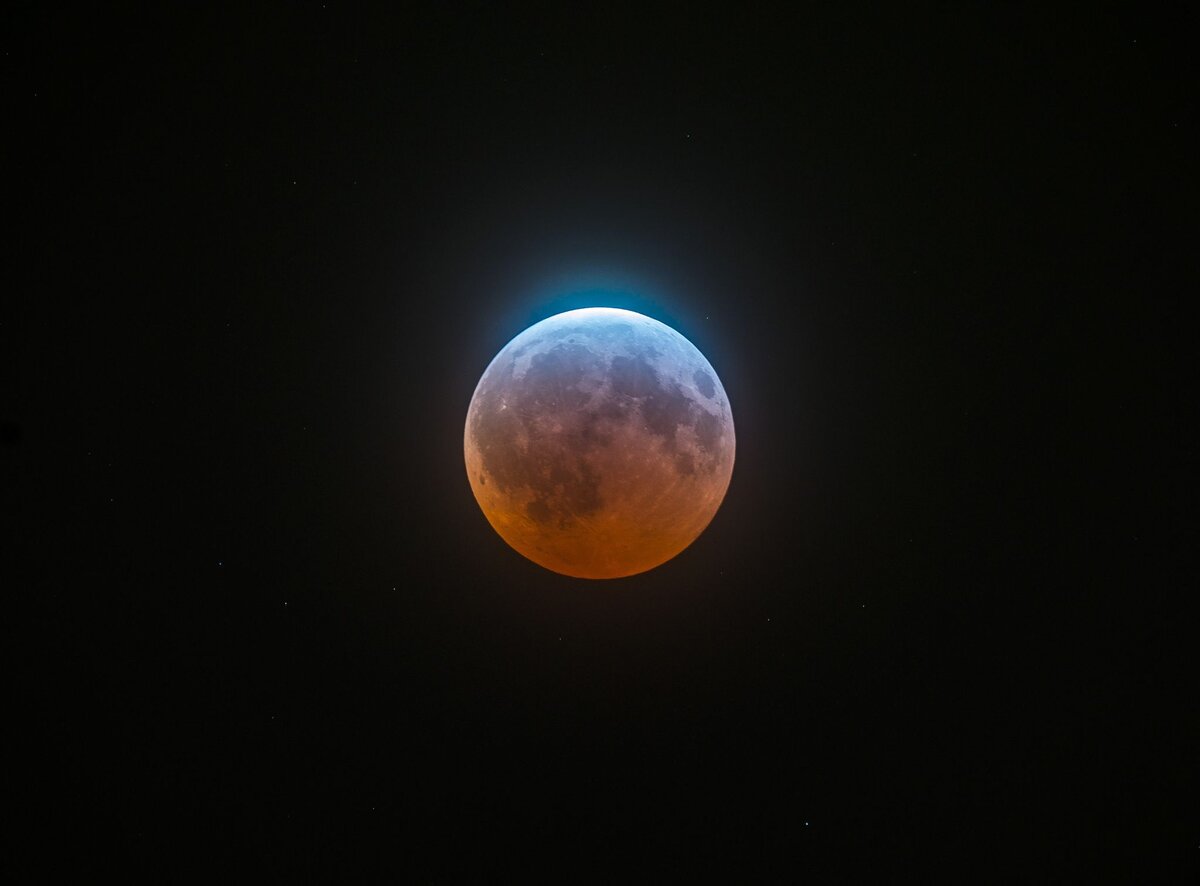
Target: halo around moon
599	443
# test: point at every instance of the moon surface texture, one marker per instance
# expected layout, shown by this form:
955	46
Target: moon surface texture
599	443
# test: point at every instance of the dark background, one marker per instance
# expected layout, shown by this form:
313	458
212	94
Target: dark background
939	257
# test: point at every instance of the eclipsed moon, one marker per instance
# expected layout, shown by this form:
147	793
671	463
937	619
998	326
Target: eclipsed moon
599	443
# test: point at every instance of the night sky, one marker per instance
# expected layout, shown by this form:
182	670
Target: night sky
257	263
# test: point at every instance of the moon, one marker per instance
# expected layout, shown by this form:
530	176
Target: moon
599	443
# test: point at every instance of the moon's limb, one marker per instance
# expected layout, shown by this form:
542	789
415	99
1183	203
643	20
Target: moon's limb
599	443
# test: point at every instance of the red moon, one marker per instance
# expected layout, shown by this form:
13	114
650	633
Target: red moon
599	443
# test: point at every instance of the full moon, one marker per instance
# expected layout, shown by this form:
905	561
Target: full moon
599	443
